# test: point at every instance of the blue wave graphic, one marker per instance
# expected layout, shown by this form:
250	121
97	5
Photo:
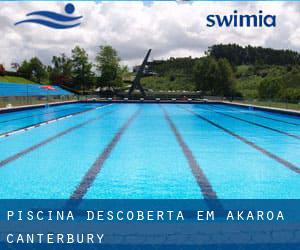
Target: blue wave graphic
48	24
54	16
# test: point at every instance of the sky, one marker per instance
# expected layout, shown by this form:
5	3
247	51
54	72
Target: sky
171	29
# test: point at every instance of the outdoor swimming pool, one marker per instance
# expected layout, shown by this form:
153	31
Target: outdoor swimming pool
173	151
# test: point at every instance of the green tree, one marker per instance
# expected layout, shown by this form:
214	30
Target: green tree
25	69
224	83
81	69
238	55
108	65
205	74
213	76
61	71
33	70
38	70
270	88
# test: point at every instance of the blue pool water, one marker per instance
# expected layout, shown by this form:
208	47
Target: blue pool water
149	151
17	120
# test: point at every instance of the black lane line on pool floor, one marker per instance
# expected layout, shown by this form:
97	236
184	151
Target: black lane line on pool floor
201	179
283	162
50	139
266	117
256	124
273	119
6	134
94	170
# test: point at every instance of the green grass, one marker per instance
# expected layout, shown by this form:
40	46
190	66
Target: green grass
15	79
165	83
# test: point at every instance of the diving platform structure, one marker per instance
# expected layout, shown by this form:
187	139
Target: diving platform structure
136	84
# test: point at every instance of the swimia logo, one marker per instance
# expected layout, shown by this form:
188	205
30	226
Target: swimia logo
54	20
239	20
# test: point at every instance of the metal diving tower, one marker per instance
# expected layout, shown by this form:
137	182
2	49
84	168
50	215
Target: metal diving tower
136	82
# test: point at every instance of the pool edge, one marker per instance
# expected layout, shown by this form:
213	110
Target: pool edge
263	108
34	106
242	105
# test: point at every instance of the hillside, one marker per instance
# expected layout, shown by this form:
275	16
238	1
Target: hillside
274	82
165	83
258	73
15	79
172	74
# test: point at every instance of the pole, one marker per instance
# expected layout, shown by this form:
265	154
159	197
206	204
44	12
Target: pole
47	98
27	99
82	76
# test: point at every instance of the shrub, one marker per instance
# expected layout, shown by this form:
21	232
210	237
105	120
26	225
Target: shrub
269	88
172	78
290	95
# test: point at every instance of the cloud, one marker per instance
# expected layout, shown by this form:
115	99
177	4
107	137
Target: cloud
169	28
